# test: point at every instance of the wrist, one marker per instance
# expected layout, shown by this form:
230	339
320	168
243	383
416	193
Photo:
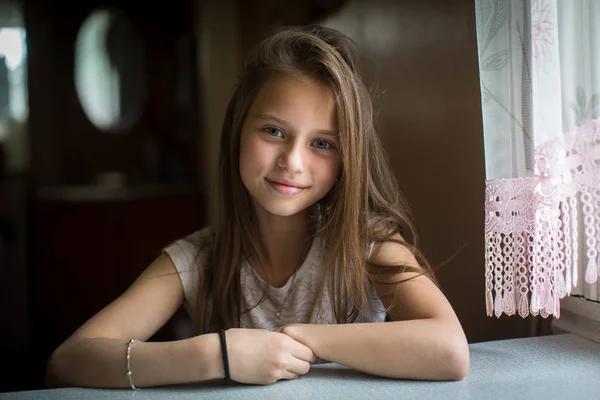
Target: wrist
208	357
224	355
303	333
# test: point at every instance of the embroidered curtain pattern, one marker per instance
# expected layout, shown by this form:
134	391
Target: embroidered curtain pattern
539	65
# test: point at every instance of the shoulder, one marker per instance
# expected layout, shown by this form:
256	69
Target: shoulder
198	239
201	238
394	251
192	249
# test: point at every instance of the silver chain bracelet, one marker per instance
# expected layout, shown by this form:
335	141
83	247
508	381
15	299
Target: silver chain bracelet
129	361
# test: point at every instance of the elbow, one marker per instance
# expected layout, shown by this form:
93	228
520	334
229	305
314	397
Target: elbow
52	373
50	379
457	361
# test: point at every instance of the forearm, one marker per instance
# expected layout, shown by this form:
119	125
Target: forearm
101	362
426	349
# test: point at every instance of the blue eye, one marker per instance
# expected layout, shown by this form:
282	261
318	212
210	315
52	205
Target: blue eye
322	144
274	132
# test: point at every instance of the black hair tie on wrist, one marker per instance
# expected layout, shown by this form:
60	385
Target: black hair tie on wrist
224	352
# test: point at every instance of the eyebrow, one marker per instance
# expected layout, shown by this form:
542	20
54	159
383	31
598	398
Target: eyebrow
286	123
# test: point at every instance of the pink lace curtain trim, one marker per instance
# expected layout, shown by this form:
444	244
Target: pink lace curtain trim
533	225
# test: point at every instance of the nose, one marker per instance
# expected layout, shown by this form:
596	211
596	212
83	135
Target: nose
292	158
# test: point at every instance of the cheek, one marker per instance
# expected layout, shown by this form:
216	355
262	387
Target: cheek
336	167
256	158
255	155
247	152
330	170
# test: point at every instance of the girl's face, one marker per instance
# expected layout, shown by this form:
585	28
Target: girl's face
289	145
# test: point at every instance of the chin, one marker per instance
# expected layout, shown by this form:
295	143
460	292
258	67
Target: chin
283	210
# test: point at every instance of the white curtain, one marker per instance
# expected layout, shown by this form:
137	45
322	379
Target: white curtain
539	64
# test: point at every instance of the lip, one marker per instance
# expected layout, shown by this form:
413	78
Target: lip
287	183
286	187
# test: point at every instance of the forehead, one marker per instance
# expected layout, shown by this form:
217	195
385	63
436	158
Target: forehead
298	99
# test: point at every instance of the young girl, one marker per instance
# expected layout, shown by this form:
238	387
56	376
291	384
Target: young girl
309	257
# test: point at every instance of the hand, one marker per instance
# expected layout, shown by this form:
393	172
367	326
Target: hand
296	332
263	357
307	334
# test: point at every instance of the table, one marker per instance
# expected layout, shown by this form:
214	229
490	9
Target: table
562	366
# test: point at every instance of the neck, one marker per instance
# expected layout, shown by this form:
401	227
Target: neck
285	241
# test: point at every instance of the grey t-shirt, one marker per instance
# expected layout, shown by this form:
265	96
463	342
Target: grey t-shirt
308	301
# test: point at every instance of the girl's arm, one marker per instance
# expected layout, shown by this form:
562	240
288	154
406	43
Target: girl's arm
101	362
95	355
425	341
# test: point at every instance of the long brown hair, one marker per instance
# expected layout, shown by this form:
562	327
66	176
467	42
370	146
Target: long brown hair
365	206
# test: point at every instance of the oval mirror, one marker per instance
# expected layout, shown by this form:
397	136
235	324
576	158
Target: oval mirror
109	71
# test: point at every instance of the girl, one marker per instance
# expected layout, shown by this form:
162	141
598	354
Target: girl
310	249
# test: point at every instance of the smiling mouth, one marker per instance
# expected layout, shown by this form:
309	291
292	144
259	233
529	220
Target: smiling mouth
285	189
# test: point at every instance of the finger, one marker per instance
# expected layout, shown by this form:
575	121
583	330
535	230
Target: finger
288	375
298	366
312	359
303	352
